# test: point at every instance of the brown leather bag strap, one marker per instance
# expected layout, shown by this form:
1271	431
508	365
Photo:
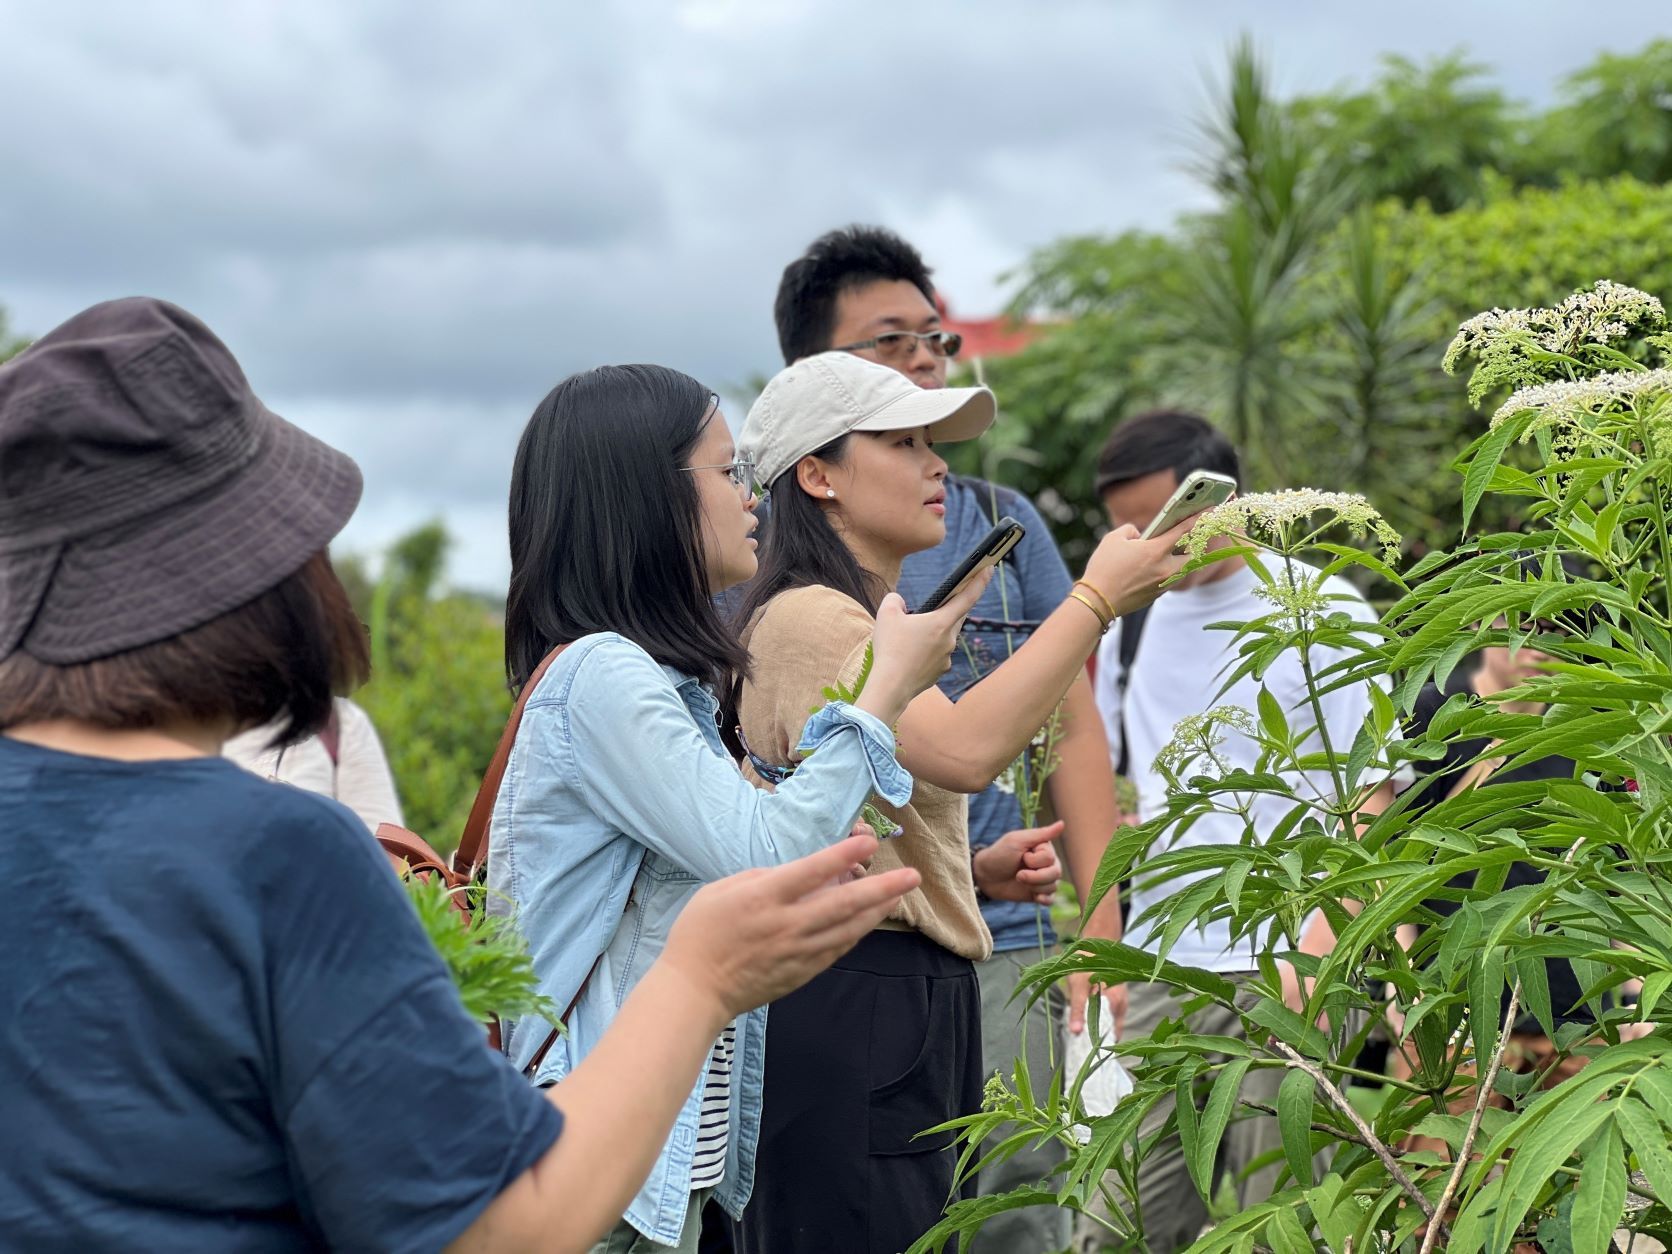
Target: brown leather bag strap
473	844
563	1023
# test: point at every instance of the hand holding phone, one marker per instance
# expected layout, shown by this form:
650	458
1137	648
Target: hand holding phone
992	549
910	652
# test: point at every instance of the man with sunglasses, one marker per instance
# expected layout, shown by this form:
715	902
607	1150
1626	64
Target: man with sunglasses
864	290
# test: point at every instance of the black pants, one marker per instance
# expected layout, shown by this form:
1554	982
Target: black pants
880	1047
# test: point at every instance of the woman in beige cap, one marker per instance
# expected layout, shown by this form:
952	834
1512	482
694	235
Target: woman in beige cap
887	1043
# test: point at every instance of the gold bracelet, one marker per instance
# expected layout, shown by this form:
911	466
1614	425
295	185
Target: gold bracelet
1102	623
1108	609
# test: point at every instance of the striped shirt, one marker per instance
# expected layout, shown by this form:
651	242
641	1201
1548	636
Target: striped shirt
708	1164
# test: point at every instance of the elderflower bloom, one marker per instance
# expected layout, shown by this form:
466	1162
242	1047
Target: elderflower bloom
1199	735
1599	314
1270	515
1568	402
1484	329
1608	311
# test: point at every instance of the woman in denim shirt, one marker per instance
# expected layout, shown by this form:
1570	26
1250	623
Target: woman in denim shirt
629	512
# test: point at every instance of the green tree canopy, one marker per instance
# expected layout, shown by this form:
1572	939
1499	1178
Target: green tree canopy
1304	312
1615	118
1428	132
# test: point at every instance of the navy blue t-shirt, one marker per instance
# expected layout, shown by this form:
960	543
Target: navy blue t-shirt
222	1027
1027	587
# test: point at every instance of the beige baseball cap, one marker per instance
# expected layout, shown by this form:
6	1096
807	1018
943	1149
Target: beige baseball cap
821	398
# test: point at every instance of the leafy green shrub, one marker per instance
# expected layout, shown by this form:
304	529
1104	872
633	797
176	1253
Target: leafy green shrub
485	955
1590	397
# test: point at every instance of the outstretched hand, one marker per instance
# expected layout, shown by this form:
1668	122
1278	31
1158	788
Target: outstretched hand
753	937
1129	571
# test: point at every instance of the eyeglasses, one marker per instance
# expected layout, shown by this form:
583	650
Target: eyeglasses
741	473
899	345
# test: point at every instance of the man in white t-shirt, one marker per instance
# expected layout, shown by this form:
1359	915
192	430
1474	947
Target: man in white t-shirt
1176	670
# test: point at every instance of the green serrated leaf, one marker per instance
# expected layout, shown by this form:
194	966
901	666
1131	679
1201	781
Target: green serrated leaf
1649	1140
1535	992
1547	1145
1654	988
1286	1235
1190	1139
1601	1197
1216	1117
1486	986
1295	1097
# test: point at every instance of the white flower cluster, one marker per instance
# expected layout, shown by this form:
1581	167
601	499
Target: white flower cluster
1270	515
1198	735
1569	402
1483	330
1600	314
1608	311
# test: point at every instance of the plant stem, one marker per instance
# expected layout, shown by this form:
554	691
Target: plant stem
1302	621
1317	1125
1481	1098
1376	1147
1342	1069
1638	899
1486	1082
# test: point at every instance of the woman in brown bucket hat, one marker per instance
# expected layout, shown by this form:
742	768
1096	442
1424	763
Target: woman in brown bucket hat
221	1026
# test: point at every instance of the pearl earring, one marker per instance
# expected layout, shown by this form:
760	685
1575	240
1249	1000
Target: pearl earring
831	493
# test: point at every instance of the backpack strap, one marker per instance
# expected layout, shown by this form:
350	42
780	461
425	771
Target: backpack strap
472	853
1131	636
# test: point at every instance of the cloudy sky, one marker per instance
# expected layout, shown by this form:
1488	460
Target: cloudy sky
410	219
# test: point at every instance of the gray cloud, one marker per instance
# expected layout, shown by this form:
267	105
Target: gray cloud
410	220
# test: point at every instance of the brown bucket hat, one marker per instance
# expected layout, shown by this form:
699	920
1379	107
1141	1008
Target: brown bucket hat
144	490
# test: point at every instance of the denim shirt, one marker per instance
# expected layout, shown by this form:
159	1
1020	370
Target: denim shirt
619	802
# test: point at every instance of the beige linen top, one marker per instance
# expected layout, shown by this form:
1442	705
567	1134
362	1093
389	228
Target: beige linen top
799	643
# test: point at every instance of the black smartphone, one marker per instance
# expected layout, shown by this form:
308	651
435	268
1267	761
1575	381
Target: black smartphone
992	550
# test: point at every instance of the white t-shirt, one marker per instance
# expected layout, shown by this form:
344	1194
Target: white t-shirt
1178	670
359	778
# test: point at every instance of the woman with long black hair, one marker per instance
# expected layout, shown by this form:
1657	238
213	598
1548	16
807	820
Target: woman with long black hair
887	1044
630	510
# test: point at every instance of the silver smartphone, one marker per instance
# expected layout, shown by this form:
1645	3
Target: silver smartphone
1201	489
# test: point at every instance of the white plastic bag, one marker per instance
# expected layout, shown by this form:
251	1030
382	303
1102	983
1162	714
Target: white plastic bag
1108	1082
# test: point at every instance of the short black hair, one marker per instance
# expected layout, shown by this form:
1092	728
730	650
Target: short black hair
1164	439
606	530
283	654
836	262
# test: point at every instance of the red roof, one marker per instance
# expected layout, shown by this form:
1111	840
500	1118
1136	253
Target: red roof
988	337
